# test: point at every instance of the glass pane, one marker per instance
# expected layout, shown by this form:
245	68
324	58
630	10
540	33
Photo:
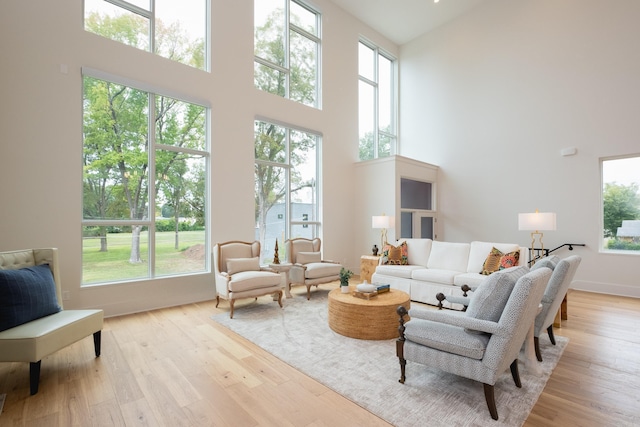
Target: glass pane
366	67
270	142
180	202
426	227
303	65
308	231
269	79
269	30
270	195
115	155
385	95
180	124
180	31
406	225
415	194
112	254
303	18
116	23
621	204
366	120
303	176
385	145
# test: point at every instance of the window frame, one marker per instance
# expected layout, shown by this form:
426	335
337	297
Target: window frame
152	93
375	84
286	69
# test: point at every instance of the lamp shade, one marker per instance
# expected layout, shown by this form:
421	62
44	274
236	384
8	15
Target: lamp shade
537	221
381	221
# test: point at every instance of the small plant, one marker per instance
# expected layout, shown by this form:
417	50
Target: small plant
345	275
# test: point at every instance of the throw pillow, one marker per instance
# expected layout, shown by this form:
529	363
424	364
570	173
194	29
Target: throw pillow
238	265
307	257
26	294
395	255
492	262
496	260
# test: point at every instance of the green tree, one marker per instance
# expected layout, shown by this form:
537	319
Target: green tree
620	202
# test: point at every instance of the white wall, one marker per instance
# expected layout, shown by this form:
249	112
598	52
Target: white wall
493	97
41	134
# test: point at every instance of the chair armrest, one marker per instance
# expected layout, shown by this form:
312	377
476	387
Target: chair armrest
265	268
330	261
454	318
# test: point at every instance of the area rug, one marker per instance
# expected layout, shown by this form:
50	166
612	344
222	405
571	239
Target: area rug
367	372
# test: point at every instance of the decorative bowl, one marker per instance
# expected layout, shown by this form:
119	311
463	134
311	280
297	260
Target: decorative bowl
365	287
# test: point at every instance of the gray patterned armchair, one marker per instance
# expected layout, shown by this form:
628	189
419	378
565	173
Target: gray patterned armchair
482	342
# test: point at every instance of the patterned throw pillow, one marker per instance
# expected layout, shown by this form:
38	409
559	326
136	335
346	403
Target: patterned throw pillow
395	255
496	260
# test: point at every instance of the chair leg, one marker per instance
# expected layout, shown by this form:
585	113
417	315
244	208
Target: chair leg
34	376
231	302
217	300
491	400
536	345
308	292
97	339
551	337
515	373
280	298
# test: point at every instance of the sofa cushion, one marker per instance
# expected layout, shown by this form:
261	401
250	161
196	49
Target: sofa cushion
395	255
470	279
248	280
237	265
404	271
317	270
478	252
489	299
449	256
419	250
435	275
307	257
26	294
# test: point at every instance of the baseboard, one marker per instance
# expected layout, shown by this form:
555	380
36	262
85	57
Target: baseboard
607	288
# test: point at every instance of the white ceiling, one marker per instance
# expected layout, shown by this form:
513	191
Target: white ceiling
403	20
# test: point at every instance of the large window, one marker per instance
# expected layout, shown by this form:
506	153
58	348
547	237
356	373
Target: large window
145	168
287	50
377	102
286	176
172	29
621	204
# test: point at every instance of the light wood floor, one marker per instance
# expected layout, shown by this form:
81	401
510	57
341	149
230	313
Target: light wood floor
176	367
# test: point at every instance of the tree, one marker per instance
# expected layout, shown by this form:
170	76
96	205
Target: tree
620	202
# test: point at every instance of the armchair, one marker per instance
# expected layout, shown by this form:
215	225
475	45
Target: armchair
34	323
308	268
480	343
563	272
238	273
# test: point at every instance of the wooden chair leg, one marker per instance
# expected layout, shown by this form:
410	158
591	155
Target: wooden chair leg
217	300
280	298
551	336
308	292
34	376
515	373
97	339
231	302
536	345
491	400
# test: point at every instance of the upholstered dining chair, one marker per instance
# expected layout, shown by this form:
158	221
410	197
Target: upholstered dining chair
238	273
482	342
563	272
308	268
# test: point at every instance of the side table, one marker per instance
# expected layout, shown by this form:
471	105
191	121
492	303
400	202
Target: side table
283	269
368	265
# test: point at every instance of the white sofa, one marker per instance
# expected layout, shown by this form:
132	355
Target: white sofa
436	266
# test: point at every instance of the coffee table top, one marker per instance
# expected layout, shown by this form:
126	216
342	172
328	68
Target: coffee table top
392	297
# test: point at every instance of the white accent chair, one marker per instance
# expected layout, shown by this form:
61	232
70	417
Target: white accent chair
308	268
482	342
38	338
563	272
238	273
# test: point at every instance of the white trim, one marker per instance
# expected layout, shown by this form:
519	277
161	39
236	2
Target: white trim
144	86
287	125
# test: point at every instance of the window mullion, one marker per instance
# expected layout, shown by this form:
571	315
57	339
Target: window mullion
151	203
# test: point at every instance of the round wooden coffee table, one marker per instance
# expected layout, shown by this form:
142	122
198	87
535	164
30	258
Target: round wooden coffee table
372	319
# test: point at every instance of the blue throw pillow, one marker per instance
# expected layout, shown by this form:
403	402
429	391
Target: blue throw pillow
26	294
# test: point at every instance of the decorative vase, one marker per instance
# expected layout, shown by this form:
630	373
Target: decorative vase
374	250
344	289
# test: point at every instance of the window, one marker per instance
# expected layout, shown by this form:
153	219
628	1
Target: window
171	29
287	50
621	204
286	176
377	102
145	168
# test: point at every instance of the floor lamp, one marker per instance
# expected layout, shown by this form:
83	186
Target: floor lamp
536	222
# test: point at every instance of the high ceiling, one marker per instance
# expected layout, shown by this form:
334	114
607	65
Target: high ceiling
403	20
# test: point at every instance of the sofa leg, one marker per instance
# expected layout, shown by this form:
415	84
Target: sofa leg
97	339
34	376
